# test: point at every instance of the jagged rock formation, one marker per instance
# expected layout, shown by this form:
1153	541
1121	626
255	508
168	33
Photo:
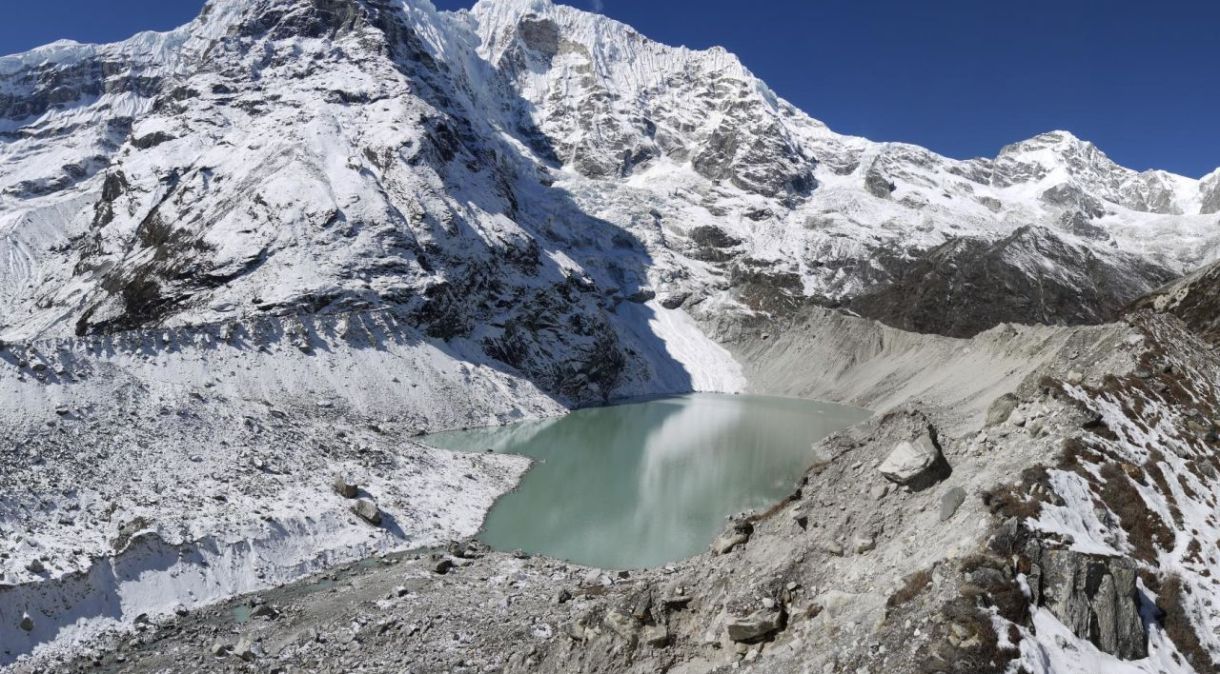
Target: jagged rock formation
1095	596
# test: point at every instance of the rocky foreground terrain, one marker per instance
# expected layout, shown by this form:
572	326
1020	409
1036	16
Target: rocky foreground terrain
265	251
1017	515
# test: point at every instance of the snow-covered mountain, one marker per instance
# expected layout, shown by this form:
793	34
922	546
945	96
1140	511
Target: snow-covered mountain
247	255
515	173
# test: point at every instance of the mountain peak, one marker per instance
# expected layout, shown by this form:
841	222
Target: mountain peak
1058	141
483	6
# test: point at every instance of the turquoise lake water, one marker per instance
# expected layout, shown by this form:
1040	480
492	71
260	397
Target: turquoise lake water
647	483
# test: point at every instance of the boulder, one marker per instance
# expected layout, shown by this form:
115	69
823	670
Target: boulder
916	464
832	548
248	648
950	501
620	623
800	517
441	564
756	626
128	530
346	487
1001	408
460	550
656	635
368	511
642	295
639	604
1095	596
27	623
737	533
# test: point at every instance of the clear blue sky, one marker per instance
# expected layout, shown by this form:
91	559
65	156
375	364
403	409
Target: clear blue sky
963	77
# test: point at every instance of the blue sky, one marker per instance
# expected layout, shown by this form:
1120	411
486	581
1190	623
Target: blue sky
962	77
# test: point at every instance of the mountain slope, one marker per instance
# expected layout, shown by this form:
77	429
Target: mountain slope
703	143
309	155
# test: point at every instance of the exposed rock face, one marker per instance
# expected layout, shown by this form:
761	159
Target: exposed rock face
1194	298
916	464
1095	596
878	186
968	285
755	626
346	487
1090	171
494	100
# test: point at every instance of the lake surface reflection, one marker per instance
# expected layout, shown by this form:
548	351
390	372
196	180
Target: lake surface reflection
644	484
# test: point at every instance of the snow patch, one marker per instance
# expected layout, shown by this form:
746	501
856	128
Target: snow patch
711	368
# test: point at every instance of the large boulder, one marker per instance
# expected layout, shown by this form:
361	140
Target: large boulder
1095	596
916	464
756	626
950	501
346	487
368	511
737	533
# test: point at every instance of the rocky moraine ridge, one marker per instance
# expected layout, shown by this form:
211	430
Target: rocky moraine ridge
267	249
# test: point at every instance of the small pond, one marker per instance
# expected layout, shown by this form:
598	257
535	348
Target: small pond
647	483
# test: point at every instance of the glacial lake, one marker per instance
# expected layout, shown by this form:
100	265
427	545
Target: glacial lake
648	483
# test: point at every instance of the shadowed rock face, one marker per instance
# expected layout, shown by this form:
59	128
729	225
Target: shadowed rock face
877	185
303	18
969	285
1195	299
541	35
1094	596
39	90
